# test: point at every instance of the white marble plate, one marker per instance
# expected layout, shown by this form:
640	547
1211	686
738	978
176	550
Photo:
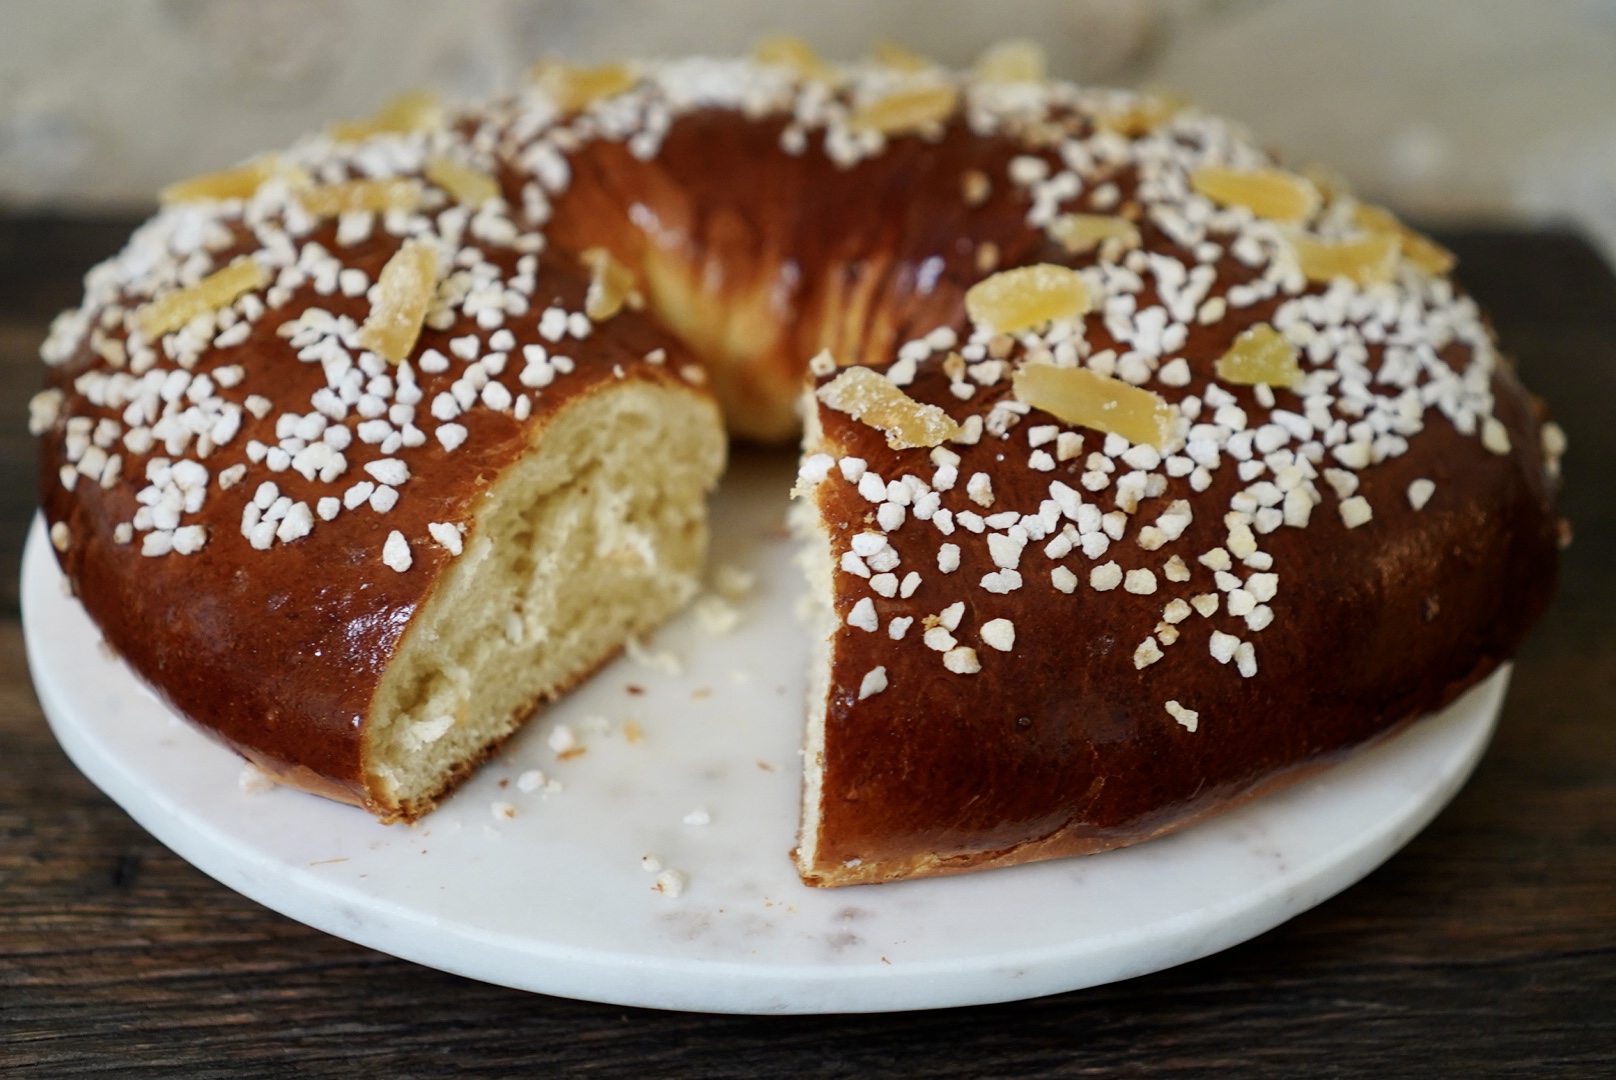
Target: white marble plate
555	899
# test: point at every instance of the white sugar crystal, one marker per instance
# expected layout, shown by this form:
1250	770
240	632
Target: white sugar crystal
999	633
396	552
874	681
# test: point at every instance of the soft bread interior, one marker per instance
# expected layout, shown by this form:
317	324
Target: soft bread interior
819	611
596	534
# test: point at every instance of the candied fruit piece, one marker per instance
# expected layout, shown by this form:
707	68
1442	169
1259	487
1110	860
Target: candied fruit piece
1268	193
869	397
465	184
238	183
329	200
575	88
899	58
1260	355
1078	233
1013	300
404	291
213	292
611	285
1366	259
418	110
1098	402
1142	114
1418	248
790	51
905	110
1016	60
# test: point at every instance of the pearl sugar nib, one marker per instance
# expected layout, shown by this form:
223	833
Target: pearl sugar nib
1014	300
868	396
1088	399
1260	355
404	292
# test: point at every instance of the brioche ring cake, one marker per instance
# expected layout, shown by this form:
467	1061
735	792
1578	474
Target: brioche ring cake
1140	475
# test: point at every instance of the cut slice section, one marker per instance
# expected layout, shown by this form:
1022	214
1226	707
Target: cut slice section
598	533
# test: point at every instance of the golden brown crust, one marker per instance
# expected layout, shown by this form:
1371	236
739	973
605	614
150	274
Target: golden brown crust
761	228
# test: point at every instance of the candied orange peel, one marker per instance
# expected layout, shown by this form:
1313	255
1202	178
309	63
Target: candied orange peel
1098	402
611	285
790	51
175	309
404	292
1013	300
1079	233
1260	355
870	398
574	88
465	184
1417	248
418	110
895	56
1368	259
1142	114
241	182
377	196
1268	193
903	111
1015	60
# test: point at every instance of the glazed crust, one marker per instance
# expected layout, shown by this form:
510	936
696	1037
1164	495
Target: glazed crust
1064	747
753	258
278	653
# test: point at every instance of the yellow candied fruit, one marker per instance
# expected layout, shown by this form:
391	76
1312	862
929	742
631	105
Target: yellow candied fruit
1143	114
1260	355
404	292
905	110
1418	248
170	312
1269	193
378	196
1078	233
1367	259
870	398
1016	60
575	88
1013	300
611	285
889	54
241	182
418	110
1088	399
790	51
469	186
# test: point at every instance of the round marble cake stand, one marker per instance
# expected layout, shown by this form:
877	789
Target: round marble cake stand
696	763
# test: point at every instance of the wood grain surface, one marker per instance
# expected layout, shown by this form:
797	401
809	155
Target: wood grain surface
1486	948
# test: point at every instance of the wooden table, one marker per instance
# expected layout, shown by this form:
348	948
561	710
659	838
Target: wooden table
1486	948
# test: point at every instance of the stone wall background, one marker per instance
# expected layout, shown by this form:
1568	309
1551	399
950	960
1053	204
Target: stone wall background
1446	109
